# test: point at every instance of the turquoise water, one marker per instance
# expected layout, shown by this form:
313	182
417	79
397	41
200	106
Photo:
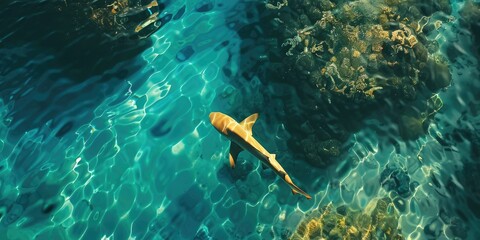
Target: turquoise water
137	158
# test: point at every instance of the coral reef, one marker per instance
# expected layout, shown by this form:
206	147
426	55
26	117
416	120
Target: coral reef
377	221
356	58
357	50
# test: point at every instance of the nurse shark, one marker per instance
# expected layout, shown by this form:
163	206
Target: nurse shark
240	135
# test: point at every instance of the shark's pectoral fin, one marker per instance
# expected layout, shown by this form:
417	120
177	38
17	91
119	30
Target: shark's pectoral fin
296	189
232	161
248	122
234	151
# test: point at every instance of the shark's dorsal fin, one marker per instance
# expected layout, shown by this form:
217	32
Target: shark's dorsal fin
248	122
234	151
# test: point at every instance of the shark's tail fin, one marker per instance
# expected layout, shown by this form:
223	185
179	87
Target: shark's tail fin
300	191
295	188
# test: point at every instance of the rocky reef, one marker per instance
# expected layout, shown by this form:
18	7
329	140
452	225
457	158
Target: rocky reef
377	221
349	60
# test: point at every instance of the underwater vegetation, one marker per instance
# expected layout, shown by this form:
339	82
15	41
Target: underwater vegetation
359	59
379	220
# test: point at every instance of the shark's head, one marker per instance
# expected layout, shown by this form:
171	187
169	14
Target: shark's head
220	121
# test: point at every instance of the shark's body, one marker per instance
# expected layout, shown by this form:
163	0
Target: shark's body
240	135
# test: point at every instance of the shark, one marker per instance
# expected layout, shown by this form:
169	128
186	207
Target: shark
241	138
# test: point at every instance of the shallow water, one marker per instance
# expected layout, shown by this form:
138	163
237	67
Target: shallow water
124	149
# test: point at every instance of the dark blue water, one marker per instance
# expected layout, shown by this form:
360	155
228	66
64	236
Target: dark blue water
105	132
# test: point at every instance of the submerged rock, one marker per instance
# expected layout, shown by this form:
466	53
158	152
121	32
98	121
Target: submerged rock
395	179
437	75
411	127
321	153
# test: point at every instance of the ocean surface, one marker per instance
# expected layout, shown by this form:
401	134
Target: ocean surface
111	139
